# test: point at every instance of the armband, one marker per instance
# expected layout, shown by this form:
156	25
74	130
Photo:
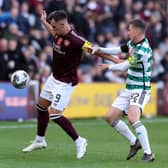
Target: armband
86	46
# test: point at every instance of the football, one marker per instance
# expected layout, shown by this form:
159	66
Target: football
20	79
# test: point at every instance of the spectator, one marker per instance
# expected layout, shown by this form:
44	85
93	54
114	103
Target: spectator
55	5
14	57
164	63
3	59
103	22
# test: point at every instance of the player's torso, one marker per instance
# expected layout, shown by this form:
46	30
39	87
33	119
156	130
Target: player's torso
139	75
66	57
64	49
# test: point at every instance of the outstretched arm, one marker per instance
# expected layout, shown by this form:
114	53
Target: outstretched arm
106	53
87	47
112	50
109	57
46	24
122	67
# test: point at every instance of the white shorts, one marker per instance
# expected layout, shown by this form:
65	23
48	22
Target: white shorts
57	92
131	97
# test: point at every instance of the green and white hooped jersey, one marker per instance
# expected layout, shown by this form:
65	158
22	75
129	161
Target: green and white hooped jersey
139	71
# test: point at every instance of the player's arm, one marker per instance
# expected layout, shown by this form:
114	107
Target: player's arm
133	59
111	51
106	53
122	67
88	47
46	24
109	57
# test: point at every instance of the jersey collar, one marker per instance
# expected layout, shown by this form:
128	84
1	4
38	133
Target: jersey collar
139	42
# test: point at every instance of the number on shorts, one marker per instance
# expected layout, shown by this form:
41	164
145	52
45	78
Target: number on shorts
58	96
134	97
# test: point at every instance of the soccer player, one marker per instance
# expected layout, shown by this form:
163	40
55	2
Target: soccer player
137	92
68	49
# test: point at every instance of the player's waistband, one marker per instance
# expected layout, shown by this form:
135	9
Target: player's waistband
137	90
59	82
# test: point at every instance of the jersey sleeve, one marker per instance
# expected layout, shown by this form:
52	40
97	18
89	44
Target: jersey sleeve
80	42
124	48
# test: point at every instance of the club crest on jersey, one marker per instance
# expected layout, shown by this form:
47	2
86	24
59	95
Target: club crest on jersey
66	43
59	41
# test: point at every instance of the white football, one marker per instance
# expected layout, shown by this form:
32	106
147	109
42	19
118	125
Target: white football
20	79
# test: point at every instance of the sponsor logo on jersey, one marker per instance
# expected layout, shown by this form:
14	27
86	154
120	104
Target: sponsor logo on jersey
66	43
57	49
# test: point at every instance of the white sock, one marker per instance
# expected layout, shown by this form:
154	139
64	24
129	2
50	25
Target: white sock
142	136
39	138
124	130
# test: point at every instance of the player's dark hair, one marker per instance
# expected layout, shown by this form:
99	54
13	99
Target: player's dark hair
139	24
57	15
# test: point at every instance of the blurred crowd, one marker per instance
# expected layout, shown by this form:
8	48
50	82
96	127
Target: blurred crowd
25	44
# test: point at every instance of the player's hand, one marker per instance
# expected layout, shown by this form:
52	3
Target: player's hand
87	49
102	67
95	49
131	51
43	16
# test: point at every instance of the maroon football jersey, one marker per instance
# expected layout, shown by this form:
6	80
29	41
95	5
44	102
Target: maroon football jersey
67	53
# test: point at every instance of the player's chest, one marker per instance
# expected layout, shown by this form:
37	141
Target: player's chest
133	49
62	45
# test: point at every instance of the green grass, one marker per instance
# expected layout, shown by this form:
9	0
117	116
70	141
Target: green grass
106	149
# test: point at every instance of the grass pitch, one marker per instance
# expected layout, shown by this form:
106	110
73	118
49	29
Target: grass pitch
106	148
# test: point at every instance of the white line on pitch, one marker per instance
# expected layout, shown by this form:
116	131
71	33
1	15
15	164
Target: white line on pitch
82	123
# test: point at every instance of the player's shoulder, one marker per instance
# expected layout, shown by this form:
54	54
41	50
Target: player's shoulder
145	46
146	43
128	42
75	35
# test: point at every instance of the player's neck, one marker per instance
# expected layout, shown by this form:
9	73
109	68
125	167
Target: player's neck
67	29
139	39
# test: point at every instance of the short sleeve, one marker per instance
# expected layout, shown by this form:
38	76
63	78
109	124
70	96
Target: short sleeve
77	40
124	48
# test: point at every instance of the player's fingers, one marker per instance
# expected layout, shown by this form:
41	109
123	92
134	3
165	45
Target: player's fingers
131	51
42	12
89	49
102	66
94	50
98	65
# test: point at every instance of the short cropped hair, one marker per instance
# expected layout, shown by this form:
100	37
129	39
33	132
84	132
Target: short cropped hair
57	15
139	24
